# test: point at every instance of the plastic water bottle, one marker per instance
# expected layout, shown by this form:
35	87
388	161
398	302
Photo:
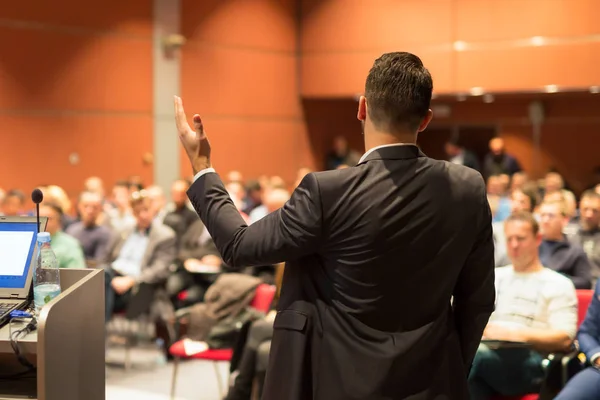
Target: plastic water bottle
46	280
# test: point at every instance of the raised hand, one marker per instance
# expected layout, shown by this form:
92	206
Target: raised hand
194	141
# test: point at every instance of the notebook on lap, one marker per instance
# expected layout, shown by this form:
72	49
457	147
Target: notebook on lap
18	239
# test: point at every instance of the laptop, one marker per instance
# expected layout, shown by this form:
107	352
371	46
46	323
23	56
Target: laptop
18	242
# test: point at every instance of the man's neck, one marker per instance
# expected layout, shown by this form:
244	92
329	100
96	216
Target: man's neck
534	266
374	138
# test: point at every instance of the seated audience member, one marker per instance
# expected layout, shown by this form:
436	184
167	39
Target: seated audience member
525	199
587	236
518	181
2	197
67	248
57	195
341	153
253	196
254	357
182	217
586	384
13	203
199	266
534	306
120	216
274	199
93	238
458	154
496	186
95	185
237	193
556	252
234	177
158	201
138	262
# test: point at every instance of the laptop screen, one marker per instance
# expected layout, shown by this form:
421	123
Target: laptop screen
17	245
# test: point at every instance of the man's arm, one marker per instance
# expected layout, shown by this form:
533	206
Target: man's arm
589	332
164	255
288	233
475	294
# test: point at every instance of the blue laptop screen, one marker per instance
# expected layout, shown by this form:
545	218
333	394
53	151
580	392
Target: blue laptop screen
17	245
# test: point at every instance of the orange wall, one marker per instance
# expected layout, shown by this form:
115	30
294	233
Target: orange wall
75	77
569	133
239	72
341	39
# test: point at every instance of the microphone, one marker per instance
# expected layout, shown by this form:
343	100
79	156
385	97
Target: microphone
37	196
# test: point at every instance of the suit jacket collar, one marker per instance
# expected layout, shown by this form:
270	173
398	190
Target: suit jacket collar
398	151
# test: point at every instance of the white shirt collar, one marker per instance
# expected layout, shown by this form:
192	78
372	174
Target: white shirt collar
381	147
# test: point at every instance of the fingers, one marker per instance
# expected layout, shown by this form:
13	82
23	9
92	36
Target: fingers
180	118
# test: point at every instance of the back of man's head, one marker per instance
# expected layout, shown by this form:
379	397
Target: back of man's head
398	92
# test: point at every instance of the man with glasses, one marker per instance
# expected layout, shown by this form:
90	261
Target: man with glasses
588	234
556	252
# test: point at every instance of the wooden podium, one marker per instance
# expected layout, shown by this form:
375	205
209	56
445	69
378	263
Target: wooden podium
68	346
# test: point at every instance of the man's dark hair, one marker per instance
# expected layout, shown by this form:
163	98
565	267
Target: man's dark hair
15	193
122	183
531	192
524	216
398	92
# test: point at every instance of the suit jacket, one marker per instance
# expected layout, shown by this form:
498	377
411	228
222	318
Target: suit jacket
374	255
158	257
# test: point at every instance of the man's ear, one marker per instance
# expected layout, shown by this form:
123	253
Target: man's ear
426	121
362	109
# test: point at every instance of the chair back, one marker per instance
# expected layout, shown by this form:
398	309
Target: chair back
263	297
584	298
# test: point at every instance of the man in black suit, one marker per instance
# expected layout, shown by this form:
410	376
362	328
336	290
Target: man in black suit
389	280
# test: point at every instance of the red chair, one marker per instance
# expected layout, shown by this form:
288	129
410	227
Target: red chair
584	299
262	301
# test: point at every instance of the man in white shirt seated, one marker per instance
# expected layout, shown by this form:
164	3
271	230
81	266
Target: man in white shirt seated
535	307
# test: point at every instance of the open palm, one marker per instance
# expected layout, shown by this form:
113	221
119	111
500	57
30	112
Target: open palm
194	141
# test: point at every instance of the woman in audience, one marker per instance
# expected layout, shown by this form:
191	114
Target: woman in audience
586	384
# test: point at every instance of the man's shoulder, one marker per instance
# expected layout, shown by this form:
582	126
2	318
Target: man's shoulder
67	239
558	280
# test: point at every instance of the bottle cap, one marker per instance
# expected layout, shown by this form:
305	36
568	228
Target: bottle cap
43	237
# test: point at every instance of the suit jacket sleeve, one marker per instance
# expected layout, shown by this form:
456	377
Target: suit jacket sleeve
475	293
162	258
288	233
589	332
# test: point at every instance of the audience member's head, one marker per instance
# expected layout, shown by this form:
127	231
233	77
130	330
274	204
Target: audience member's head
254	191
524	199
277	182
397	96
589	210
504	183
237	193
518	180
120	195
522	240
135	184
302	172
340	146
90	208
235	176
54	213
276	198
452	148
553	182
142	209
179	193
157	198
494	185
553	219
13	203
95	185
2	197
497	147
57	195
